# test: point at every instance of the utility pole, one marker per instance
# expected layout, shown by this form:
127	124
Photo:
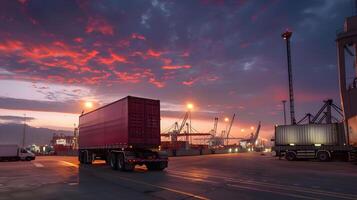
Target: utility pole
286	36
284	110
24	133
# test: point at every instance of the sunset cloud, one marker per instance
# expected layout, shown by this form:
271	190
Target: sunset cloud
138	36
99	25
218	60
174	67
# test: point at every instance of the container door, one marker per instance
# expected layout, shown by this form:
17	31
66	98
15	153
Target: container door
144	122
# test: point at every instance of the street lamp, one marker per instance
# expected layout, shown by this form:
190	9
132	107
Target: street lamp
88	104
190	106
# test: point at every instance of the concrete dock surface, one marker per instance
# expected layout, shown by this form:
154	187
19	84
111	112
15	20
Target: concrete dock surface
219	176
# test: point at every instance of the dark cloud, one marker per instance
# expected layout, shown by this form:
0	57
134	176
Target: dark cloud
46	106
15	119
234	51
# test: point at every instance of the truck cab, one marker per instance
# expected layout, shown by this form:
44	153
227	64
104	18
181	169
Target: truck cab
26	155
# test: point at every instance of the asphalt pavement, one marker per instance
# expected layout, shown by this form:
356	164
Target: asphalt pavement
220	176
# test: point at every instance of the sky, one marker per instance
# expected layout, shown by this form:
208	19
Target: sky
225	57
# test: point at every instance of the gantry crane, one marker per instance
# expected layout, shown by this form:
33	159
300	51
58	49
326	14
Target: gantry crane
229	129
176	131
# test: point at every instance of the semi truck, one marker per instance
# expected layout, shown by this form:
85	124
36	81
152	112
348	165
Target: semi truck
124	133
312	141
12	152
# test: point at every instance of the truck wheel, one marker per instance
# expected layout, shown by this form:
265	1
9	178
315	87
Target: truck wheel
28	158
151	166
121	163
89	159
80	157
323	156
113	161
157	166
290	156
161	166
129	167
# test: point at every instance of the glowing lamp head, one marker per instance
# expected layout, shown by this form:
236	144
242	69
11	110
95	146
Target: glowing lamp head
252	128
286	35
242	130
88	104
190	106
226	119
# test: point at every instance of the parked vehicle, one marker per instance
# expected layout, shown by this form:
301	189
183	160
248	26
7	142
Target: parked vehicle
12	152
311	141
124	133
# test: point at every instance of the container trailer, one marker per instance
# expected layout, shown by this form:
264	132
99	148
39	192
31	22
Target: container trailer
311	141
12	152
124	133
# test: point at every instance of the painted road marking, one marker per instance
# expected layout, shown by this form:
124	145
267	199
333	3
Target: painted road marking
271	191
247	187
37	164
166	188
271	185
69	164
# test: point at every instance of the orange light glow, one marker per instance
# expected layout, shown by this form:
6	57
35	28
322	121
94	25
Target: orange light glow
226	119
252	128
88	104
190	106
242	130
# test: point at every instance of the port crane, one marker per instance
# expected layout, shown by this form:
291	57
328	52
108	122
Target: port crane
253	137
175	131
230	127
324	113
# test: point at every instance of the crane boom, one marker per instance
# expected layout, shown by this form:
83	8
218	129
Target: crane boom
230	127
215	126
183	123
256	134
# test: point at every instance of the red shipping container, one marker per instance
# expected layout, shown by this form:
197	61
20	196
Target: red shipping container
131	121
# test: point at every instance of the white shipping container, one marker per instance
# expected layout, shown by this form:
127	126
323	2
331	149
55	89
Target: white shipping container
8	150
308	134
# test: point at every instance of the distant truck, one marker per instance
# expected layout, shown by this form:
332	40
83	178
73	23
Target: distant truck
312	141
124	133
12	152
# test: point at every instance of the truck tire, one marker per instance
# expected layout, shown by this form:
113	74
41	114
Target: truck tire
89	159
80	157
323	156
121	162
156	166
113	161
129	167
161	166
290	156
28	159
150	166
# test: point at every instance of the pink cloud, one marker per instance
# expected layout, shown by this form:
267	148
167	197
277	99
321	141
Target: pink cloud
138	75
10	46
154	53
99	25
174	67
78	40
166	61
138	36
112	59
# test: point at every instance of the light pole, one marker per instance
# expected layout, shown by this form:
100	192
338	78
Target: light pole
286	36
24	133
190	107
284	110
